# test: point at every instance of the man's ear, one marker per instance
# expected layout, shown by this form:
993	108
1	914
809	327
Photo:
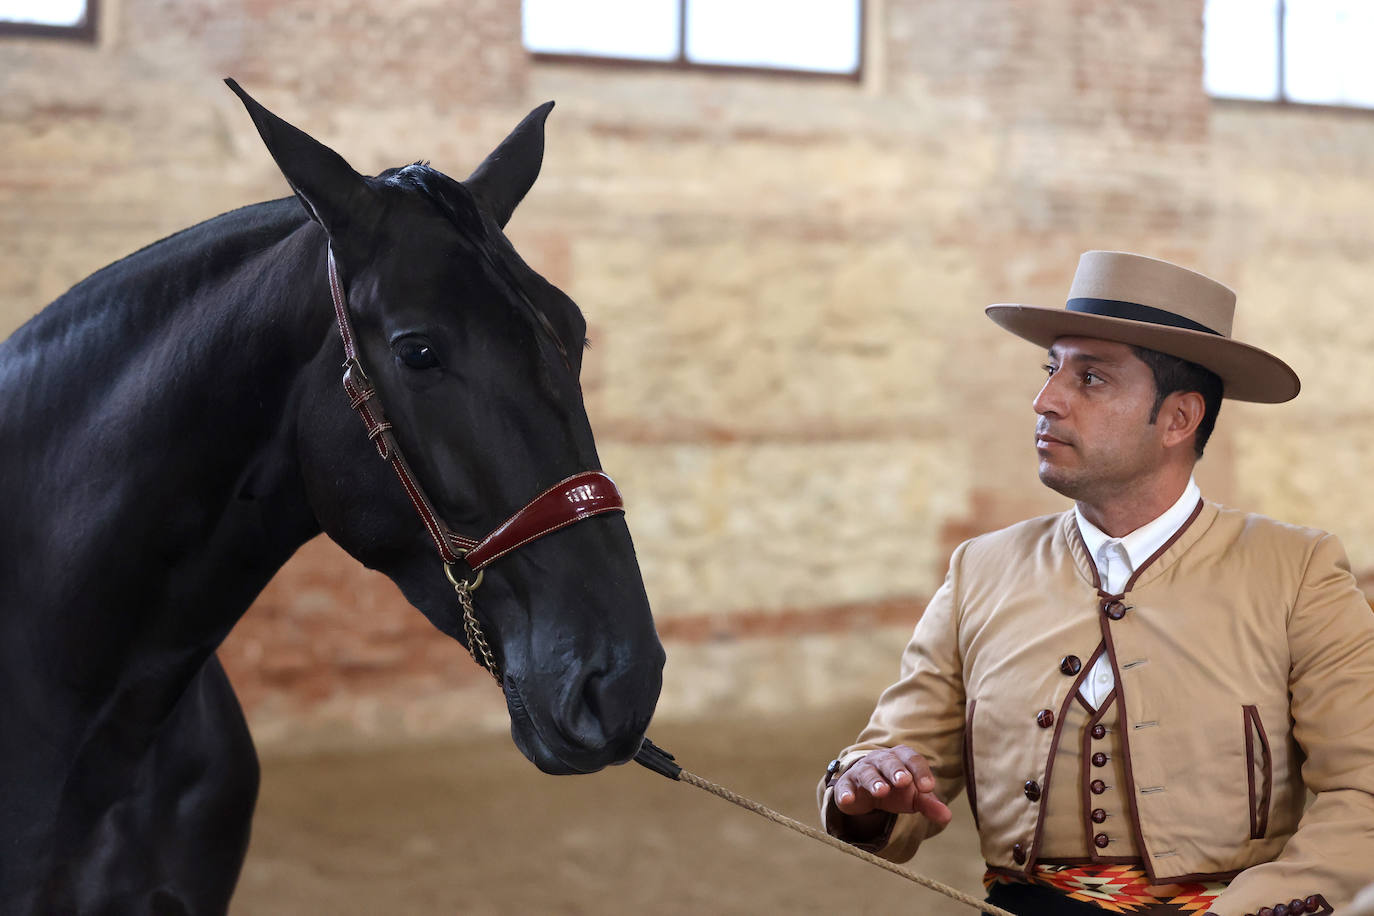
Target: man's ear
1180	416
505	176
334	195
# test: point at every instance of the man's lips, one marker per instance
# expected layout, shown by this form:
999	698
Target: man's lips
1043	440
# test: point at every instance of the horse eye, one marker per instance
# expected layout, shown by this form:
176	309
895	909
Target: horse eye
417	355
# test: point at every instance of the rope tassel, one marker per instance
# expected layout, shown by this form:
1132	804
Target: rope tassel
665	764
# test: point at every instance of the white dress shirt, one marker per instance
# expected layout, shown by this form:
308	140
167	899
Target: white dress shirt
1117	559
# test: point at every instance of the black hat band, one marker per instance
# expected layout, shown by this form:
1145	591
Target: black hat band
1134	311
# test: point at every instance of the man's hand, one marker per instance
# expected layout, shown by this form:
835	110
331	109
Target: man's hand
896	780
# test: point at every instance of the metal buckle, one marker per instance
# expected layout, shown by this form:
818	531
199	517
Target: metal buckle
354	372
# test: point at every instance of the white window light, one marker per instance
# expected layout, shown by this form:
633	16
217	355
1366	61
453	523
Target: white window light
70	13
1326	52
1306	51
1240	48
800	35
820	35
634	29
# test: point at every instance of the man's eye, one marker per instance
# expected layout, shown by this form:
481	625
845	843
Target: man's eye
1049	370
417	355
1090	378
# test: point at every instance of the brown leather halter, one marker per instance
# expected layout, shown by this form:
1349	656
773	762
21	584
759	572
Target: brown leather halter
572	499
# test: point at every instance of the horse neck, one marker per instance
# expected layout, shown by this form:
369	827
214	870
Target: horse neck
150	444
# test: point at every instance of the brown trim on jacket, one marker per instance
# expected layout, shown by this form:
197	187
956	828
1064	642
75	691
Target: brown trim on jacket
1097	860
1085	780
1126	753
970	784
1049	764
1105	623
1221	877
1259	803
1197	510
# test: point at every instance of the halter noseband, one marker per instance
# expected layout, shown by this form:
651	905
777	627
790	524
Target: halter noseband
571	500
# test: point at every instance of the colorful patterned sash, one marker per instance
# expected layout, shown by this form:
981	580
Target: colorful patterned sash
1117	888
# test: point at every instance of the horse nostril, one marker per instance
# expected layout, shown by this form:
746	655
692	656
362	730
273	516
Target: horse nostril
592	700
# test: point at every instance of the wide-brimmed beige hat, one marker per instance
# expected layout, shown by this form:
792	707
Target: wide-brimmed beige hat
1151	303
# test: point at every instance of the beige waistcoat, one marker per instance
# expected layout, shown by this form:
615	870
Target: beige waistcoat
1244	666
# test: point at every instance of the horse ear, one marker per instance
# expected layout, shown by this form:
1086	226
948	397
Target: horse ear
504	177
332	192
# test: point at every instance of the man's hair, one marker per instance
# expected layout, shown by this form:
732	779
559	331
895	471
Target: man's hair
1173	374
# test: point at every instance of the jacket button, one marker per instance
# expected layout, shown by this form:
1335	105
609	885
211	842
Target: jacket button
1099	815
1018	854
1295	907
1099	759
1070	665
1266	911
1032	789
1098	786
1313	904
1281	910
1044	718
1099	731
1101	841
1114	609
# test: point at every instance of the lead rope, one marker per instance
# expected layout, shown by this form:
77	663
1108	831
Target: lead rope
660	761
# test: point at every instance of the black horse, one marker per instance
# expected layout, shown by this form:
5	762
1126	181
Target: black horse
173	428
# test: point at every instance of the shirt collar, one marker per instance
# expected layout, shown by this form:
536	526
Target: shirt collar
1142	543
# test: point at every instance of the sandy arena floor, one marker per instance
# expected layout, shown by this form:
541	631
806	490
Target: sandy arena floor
473	828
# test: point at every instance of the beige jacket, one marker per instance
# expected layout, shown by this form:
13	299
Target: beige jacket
1244	665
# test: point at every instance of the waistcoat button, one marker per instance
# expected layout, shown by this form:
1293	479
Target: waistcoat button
1032	789
1281	910
1114	609
1070	665
1044	718
1099	759
1101	841
1018	854
1099	731
1312	904
1099	815
1098	786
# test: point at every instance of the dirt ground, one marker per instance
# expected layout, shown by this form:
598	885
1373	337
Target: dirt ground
473	828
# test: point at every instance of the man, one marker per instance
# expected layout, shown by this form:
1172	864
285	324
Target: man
1137	693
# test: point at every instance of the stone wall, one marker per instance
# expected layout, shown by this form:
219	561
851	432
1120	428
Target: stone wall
791	376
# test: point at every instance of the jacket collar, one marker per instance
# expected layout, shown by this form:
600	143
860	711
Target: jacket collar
1145	541
1199	520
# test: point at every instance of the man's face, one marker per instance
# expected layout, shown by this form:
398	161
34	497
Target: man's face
1094	437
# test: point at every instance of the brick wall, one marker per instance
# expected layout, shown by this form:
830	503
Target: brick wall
791	377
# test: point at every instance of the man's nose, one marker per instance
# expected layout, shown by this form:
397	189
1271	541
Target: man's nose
1050	399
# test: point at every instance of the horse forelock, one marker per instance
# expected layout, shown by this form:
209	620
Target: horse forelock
478	232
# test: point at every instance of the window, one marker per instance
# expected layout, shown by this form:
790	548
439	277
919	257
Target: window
808	36
55	18
1307	51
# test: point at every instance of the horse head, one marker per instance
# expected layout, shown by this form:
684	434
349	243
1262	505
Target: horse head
476	359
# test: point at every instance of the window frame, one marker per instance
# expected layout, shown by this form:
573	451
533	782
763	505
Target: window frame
86	31
683	64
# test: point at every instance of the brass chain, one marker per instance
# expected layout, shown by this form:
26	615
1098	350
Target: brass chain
477	641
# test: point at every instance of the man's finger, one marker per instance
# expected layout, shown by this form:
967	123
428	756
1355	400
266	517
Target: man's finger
894	770
917	765
934	809
902	800
867	778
